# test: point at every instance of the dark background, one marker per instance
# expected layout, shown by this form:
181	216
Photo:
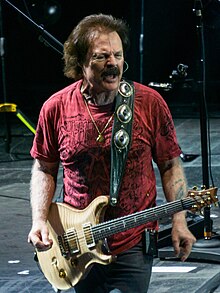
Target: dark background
34	70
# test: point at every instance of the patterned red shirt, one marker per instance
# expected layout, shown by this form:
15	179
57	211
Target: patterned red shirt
65	132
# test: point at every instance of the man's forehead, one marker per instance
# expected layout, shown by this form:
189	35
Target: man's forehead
104	40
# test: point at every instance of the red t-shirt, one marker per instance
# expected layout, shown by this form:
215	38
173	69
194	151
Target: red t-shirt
65	132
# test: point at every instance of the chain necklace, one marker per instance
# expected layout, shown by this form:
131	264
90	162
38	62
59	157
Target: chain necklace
100	138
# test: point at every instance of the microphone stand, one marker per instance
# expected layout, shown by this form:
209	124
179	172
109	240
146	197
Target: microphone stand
40	28
206	248
201	91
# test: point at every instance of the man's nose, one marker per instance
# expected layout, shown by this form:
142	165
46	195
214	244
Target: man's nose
111	61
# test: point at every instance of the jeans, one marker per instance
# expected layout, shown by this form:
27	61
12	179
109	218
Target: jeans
130	273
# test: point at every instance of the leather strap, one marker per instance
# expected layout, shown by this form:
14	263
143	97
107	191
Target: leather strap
121	136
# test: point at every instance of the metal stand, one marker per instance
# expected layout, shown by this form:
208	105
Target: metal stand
5	108
201	89
46	37
12	108
207	248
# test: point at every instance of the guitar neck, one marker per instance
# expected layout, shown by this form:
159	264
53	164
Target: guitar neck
106	229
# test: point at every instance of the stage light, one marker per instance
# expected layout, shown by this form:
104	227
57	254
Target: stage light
45	12
52	11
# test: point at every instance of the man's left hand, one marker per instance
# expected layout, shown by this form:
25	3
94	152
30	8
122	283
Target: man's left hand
182	239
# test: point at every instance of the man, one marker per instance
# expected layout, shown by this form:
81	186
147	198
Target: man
75	128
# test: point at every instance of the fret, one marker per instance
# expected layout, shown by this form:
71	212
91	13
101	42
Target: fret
106	229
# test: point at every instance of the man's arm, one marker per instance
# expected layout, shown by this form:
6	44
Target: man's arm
42	189
175	187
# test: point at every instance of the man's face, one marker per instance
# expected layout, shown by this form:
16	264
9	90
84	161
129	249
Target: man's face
104	63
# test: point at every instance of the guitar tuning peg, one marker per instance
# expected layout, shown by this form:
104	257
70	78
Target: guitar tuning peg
203	187
216	204
195	188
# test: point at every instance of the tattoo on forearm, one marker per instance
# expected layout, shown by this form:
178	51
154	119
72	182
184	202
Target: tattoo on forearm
180	193
180	180
179	185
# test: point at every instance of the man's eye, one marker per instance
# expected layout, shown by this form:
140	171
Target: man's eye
118	56
99	57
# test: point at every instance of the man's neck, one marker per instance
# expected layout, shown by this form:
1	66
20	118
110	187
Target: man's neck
100	99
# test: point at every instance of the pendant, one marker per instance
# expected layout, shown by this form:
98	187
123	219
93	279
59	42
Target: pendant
100	138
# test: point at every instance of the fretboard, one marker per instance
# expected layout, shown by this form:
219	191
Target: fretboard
106	229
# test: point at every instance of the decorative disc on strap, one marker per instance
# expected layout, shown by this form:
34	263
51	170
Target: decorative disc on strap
121	139
124	113
121	136
125	89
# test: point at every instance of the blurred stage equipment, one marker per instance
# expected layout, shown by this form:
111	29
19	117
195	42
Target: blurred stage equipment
206	248
48	12
6	107
45	36
180	72
208	240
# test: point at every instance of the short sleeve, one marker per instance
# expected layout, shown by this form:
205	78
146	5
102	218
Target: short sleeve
45	144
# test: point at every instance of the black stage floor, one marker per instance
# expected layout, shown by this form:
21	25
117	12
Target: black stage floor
19	271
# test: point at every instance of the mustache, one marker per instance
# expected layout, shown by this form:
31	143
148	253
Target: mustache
111	71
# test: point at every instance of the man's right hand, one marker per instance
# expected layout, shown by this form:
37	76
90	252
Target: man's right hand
39	236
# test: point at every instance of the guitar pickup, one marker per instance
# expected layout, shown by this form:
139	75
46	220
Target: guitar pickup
87	228
68	243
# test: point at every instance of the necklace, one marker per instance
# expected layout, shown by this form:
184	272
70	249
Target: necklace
100	138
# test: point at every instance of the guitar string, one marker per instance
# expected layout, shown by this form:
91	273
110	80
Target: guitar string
139	216
130	219
150	211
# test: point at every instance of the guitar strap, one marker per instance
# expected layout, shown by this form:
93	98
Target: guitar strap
121	136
